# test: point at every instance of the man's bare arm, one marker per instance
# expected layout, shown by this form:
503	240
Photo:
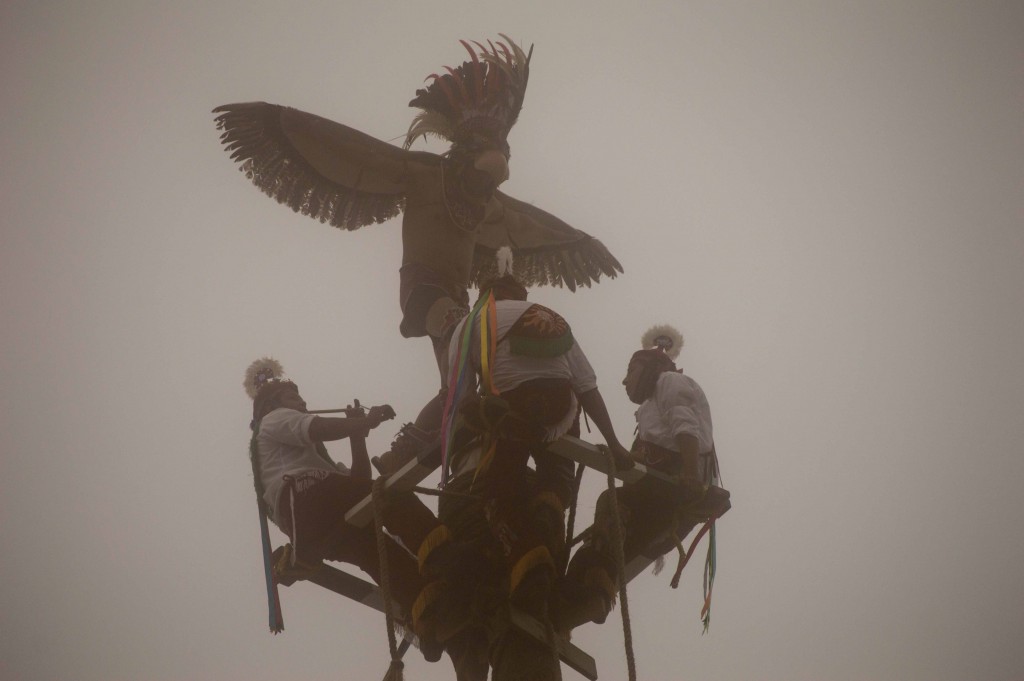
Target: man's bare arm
327	429
593	404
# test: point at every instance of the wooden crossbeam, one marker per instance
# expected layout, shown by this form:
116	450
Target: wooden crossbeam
412	473
361	514
347	585
567	652
596	457
369	594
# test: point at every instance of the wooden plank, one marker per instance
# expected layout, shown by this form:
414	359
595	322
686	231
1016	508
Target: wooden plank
407	477
361	591
715	502
350	586
369	594
567	652
596	457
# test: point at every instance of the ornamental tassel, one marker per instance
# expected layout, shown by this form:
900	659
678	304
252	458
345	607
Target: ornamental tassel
488	342
458	383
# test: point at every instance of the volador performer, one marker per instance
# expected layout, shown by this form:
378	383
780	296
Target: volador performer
306	494
674	437
454	216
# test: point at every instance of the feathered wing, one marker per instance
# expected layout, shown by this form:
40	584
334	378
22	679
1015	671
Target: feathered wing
319	168
545	249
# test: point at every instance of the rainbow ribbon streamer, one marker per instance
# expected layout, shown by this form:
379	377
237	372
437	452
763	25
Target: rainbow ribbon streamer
461	377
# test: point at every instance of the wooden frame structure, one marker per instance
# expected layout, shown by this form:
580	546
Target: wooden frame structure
713	501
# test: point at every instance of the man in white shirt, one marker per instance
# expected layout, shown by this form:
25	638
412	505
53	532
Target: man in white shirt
307	495
674	437
539	369
535	383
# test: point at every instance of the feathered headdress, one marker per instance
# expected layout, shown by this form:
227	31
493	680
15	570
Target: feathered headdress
481	96
663	337
261	372
501	279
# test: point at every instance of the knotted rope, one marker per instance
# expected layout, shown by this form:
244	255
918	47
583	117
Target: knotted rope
620	560
394	672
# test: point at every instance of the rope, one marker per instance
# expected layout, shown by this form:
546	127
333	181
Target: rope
620	560
394	672
570	525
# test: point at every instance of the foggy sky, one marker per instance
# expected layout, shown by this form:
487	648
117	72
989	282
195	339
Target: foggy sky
825	197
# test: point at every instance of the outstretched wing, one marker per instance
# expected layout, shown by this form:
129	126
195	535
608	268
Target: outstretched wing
320	168
546	250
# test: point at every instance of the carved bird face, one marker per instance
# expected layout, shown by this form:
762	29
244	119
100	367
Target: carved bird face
482	164
494	163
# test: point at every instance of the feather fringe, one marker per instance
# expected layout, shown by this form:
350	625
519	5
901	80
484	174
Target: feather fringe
253	136
579	263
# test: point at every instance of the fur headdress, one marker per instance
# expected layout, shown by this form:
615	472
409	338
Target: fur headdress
264	382
260	372
481	96
663	337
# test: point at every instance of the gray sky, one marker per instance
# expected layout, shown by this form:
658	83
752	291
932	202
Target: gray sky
825	197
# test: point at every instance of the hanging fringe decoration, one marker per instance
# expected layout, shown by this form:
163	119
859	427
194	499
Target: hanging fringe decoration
276	618
710	568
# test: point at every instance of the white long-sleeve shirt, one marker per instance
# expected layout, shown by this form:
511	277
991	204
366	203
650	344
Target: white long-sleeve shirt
510	370
677	407
284	448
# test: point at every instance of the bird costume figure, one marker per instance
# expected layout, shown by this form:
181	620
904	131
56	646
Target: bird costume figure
455	218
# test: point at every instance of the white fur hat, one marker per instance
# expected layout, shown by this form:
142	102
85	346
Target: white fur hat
261	372
663	337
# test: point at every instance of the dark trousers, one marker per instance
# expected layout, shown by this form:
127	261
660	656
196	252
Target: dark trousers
319	531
